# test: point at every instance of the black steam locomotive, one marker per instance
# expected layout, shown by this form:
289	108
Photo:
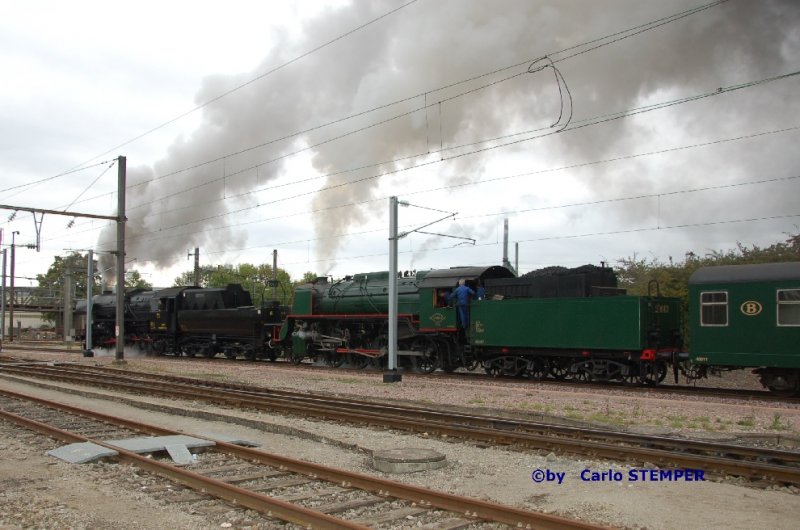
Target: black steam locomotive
189	321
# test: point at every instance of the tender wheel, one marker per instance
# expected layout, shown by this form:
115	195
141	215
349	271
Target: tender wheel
581	376
494	367
516	367
559	368
652	373
537	369
632	377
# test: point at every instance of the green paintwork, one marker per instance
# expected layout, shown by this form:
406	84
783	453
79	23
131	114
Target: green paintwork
302	303
620	323
435	318
748	339
363	294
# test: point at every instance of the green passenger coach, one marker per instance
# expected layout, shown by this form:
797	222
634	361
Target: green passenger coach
748	316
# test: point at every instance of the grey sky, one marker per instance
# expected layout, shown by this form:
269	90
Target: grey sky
91	77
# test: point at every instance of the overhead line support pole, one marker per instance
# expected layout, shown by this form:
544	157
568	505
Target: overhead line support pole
11	298
392	375
120	327
3	302
87	352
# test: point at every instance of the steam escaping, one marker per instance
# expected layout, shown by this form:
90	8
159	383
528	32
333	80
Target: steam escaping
418	50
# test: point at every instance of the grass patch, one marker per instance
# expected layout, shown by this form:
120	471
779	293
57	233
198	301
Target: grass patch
212	376
778	425
677	422
747	422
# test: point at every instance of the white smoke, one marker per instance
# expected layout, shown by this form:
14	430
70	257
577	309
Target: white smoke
423	47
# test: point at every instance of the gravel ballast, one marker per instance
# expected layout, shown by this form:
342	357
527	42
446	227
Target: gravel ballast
42	493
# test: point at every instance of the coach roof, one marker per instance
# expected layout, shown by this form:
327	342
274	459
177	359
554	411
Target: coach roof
762	272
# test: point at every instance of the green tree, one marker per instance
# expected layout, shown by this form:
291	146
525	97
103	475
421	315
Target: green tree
636	274
134	280
254	278
51	284
308	277
642	277
187	278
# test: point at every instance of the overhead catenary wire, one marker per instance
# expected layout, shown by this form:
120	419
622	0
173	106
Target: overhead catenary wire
583	47
578	125
565	236
484	181
604	119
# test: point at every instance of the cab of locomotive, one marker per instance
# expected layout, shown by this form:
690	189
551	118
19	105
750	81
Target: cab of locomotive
437	308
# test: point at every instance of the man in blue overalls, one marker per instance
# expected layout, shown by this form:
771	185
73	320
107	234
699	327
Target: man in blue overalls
462	294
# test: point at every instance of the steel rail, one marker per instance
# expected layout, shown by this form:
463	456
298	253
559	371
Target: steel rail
273	507
262	503
665	458
483	428
680	390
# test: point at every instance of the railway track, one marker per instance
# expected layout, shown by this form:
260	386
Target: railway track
471	377
777	466
268	483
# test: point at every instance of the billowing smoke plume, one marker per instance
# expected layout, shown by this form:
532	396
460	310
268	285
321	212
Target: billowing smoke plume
418	50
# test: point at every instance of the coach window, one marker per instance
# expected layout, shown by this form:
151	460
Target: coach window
789	307
714	308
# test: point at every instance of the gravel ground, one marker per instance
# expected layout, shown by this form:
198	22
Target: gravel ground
38	492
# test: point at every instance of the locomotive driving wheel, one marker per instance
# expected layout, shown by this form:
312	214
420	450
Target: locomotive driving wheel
358	361
448	360
334	359
159	347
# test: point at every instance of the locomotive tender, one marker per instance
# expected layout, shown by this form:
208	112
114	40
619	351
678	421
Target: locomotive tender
196	321
555	323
